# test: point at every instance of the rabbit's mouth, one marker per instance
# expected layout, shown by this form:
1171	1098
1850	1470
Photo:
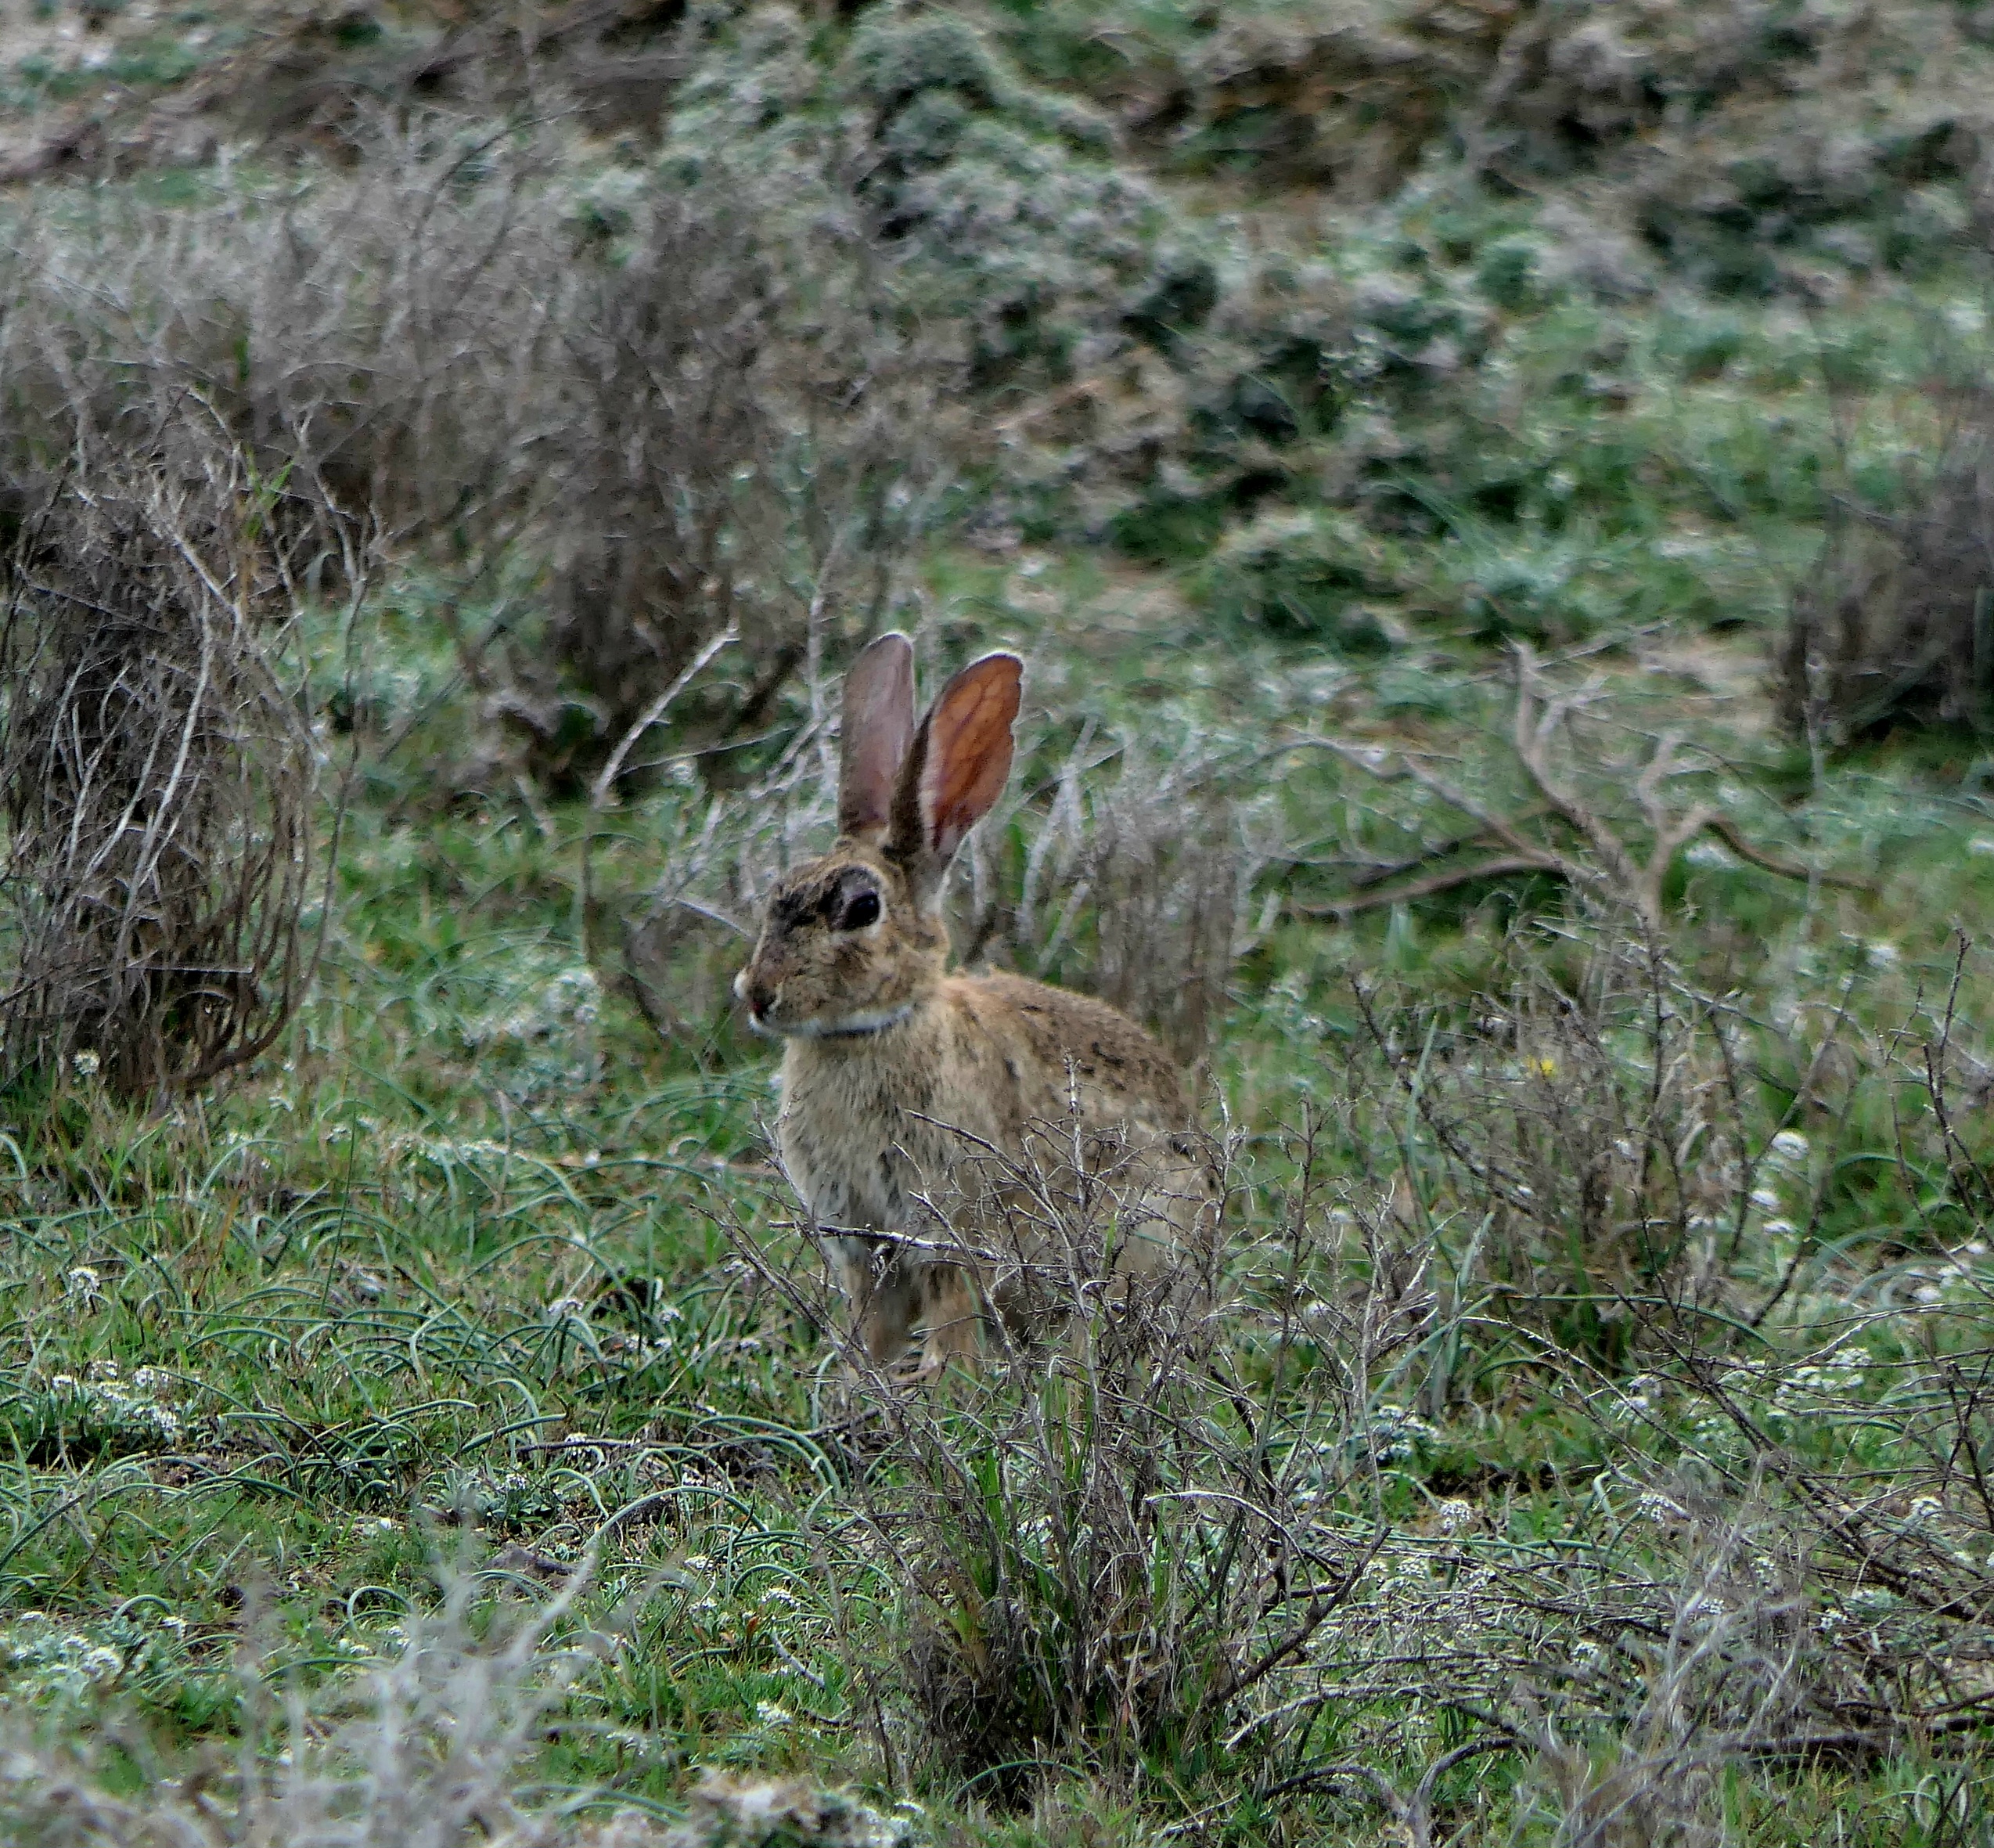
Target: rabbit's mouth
764	1007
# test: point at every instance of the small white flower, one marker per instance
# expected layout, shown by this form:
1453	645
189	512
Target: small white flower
1765	1199
1790	1145
770	1714
85	1283
86	1064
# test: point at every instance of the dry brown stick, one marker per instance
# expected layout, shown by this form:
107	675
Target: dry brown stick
1499	868
1727	831
1532	742
1536	721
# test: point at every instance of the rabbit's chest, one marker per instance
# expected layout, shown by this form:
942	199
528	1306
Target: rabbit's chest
864	1140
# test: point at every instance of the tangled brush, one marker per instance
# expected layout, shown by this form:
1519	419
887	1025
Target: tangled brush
156	778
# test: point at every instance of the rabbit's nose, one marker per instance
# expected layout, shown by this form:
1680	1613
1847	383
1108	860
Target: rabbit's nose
759	995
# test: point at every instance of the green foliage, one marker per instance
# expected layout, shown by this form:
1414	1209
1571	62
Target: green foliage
1301	577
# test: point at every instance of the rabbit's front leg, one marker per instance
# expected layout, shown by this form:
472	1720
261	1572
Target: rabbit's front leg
884	1292
952	1321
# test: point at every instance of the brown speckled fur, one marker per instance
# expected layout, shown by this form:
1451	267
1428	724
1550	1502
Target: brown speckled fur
906	1090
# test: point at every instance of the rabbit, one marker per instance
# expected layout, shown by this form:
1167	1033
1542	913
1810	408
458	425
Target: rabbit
905	1086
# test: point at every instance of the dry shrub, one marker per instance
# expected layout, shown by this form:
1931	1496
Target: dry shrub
158	778
371	337
1139	874
1729	1670
1895	625
650	409
745	443
1116	1543
1593	1130
1793	1531
435	1747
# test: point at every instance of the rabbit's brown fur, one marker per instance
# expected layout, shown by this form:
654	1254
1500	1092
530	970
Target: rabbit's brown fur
916	1103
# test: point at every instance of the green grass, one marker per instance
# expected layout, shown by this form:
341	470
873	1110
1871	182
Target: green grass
1621	1340
294	1338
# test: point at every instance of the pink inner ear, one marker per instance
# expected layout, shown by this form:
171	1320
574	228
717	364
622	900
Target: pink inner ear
878	727
969	747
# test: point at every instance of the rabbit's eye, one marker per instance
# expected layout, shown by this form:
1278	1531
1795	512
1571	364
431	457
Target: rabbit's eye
862	909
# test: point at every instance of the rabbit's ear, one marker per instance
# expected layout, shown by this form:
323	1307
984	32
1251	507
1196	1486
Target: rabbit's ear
879	725
956	769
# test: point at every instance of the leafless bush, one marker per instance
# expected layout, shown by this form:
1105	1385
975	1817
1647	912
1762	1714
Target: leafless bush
1562	834
1729	1673
652	414
1895	624
158	778
1138	874
1594	1132
1588	1112
377	335
728	455
1115	1545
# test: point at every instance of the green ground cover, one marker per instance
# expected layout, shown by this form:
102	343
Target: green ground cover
1593	1443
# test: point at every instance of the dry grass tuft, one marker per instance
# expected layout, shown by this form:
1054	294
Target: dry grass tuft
1139	875
433	1748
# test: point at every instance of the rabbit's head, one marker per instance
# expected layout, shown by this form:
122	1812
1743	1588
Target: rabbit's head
855	941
